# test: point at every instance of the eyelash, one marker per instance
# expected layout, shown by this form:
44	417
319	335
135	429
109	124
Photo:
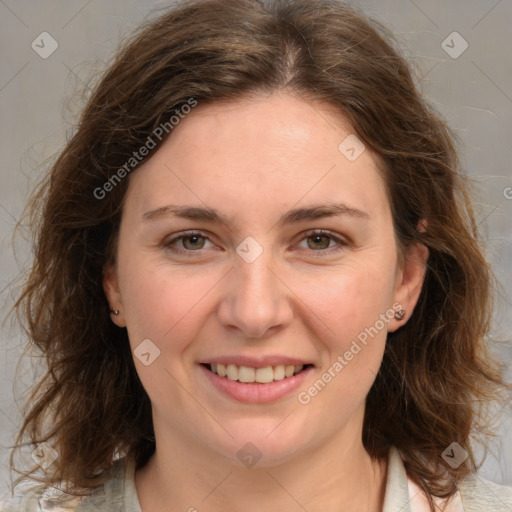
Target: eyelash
316	232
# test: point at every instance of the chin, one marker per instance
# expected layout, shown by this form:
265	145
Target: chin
260	443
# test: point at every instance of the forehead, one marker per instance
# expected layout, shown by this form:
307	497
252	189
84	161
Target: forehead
260	154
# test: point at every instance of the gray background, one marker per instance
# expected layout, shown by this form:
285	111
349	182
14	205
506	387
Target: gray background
39	101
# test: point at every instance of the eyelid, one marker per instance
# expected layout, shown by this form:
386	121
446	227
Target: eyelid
342	243
312	232
184	234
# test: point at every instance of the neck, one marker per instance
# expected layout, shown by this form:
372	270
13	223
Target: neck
339	475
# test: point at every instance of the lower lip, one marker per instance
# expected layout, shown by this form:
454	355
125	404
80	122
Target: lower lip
254	393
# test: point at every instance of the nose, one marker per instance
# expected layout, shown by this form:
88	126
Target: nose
256	300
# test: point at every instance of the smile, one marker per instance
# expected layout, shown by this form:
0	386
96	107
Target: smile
251	385
248	374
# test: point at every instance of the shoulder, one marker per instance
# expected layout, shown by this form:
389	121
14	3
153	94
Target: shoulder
479	494
475	494
40	498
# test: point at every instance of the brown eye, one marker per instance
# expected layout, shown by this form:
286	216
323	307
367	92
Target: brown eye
319	242
190	243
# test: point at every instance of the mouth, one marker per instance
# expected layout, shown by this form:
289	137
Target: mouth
251	375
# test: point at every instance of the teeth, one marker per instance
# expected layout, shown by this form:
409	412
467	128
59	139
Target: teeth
221	369
279	372
260	375
232	372
264	375
246	374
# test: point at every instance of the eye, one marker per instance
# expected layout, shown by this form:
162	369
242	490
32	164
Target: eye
318	241
192	241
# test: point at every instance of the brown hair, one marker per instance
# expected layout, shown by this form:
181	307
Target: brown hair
437	373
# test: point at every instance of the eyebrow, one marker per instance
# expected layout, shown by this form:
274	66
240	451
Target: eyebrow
295	215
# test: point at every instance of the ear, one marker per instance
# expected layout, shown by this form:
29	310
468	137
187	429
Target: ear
409	282
113	294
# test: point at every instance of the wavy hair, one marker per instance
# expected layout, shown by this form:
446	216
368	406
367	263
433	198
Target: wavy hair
438	371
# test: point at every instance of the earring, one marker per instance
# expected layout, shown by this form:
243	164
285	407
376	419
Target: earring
400	314
115	311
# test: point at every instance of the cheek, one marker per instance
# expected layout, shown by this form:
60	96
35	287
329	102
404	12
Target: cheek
161	303
356	308
350	300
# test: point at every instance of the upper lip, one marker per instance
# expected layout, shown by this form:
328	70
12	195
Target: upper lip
256	362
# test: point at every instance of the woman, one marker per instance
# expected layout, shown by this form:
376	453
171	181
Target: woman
257	279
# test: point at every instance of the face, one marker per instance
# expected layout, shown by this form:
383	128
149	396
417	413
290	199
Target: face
266	287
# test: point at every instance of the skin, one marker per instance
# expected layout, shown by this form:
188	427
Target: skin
255	159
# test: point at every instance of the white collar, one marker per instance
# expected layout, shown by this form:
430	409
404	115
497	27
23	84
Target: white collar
401	494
